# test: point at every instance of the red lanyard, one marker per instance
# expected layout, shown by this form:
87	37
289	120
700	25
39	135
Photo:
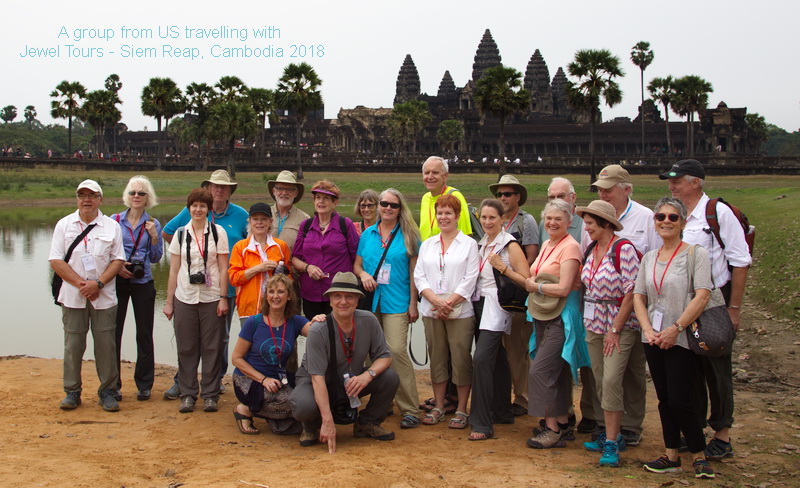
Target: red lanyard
431	213
278	348
85	244
197	241
655	262
596	263
441	259
511	222
141	231
486	258
541	263
352	342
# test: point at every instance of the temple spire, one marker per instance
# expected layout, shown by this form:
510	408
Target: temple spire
487	56
408	84
447	88
537	82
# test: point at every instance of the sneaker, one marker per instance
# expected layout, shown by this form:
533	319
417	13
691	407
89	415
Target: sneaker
567	432
173	393
663	465
632	439
118	395
610	455
717	450
221	388
409	422
702	470
209	405
71	401
143	395
108	402
374	431
587	426
309	438
598	444
546	439
187	404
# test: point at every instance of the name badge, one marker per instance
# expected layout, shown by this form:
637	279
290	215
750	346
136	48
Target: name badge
88	262
658	317
441	285
383	274
588	310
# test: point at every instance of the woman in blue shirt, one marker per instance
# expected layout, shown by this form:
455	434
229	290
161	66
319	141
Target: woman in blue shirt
395	299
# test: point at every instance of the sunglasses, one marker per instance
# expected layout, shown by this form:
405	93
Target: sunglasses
507	194
385	204
348	351
140	193
367	205
672	217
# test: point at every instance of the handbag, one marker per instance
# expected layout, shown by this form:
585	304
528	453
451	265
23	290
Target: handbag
511	297
365	303
712	334
338	400
55	284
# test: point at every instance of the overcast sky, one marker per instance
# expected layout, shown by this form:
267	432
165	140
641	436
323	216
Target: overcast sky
741	47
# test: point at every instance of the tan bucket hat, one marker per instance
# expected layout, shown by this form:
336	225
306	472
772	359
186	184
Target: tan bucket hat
508	180
344	282
544	307
600	208
221	177
288	178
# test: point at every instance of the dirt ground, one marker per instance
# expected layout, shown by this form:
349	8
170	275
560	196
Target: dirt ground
150	444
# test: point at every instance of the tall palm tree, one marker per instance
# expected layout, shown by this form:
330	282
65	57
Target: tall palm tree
692	95
594	72
113	84
450	133
499	93
642	56
262	100
662	90
161	98
30	115
230	88
230	120
68	97
757	131
8	113
298	90
199	97
405	122
100	110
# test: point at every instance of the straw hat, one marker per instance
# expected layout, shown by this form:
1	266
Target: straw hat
602	209
221	177
508	180
544	307
288	178
344	283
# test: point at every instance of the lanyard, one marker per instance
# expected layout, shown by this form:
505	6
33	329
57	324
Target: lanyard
486	258
431	211
214	214
352	342
281	221
278	348
85	244
630	204
541	263
659	285
441	256
596	263
511	222
135	242
197	241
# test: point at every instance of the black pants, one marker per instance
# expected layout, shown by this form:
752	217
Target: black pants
491	383
143	296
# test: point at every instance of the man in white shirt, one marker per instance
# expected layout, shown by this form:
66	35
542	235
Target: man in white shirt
686	181
88	295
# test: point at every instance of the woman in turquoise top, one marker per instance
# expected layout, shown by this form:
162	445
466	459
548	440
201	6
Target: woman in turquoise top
395	299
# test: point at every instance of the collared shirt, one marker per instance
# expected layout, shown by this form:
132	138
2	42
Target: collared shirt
246	254
428	226
286	229
395	296
698	232
209	291
460	271
493	318
103	243
639	227
146	251
524	228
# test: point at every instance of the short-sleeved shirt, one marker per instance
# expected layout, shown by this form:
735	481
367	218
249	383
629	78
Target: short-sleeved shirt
270	351
428	226
286	228
395	296
209	291
552	256
524	229
607	284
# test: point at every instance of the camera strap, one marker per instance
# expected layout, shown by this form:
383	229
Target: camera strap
189	251
136	242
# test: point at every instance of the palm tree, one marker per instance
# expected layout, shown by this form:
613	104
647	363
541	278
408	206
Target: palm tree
230	88
8	113
114	85
30	115
262	100
298	90
499	93
405	122
662	90
594	71
229	121
692	95
100	110
757	131
161	98
68	97
198	100
642	56
450	133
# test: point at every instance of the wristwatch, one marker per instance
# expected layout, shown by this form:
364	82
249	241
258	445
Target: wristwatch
100	284
614	330
679	326
372	373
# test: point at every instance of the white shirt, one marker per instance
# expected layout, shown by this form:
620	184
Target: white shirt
639	227
736	253
493	318
460	271
103	243
202	293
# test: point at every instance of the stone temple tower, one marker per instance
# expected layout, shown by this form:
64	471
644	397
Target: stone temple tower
559	87
537	82
447	87
408	84
487	56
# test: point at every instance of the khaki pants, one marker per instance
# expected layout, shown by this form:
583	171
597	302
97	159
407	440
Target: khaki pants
519	362
76	325
395	329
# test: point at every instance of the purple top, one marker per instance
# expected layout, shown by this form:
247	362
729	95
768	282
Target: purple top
332	252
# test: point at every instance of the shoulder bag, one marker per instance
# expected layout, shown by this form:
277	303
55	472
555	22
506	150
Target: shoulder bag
511	297
57	281
712	334
341	410
365	303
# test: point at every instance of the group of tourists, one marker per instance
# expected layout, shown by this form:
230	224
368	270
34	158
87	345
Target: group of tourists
589	295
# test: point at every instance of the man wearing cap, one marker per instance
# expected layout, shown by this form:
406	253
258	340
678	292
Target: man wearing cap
686	182
357	336
286	192
614	186
519	223
233	219
434	175
88	295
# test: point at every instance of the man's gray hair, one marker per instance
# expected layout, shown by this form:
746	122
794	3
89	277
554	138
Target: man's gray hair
691	178
445	166
560	179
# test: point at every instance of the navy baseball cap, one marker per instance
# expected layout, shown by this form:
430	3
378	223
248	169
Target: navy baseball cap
691	167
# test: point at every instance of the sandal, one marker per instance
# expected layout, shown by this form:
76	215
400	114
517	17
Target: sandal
449	405
459	421
409	422
435	416
240	419
479	436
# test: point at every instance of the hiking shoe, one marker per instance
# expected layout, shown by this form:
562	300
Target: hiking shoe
610	455
71	401
546	439
173	393
409	422
567	430
632	439
222	388
717	450
209	405
598	444
663	465
374	431
309	438
587	426
143	395
108	402
702	470
187	404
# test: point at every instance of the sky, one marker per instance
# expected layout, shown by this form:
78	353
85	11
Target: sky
357	47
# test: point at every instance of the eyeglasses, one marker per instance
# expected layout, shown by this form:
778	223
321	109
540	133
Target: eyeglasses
348	347
284	189
367	205
507	194
672	217
560	196
87	196
393	205
140	193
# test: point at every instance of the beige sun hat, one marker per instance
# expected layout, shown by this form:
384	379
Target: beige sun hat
288	178
508	180
603	209
544	307
611	175
221	177
344	282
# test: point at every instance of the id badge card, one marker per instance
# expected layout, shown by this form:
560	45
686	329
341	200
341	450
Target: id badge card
88	262
441	285
658	317
588	310
383	274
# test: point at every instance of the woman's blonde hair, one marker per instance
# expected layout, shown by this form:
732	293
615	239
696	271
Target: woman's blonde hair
409	227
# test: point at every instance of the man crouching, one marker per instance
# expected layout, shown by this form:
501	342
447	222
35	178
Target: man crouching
356	335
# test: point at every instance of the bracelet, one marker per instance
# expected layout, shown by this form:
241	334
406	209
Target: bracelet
735	306
504	270
223	296
540	287
262	380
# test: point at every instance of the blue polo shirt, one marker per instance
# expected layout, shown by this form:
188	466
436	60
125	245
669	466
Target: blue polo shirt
394	297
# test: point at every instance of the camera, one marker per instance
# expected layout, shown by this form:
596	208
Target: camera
136	268
197	278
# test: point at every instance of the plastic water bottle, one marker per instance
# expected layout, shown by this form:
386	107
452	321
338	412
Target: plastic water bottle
355	402
280	268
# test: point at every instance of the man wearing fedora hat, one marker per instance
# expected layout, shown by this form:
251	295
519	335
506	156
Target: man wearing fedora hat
359	337
519	223
233	219
286	192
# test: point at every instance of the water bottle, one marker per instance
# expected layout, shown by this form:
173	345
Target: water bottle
355	402
280	268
